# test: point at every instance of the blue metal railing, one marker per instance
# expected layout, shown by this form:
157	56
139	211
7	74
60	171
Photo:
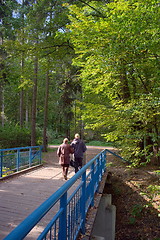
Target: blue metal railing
15	159
70	217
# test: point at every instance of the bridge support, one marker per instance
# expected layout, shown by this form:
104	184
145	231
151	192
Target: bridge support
104	225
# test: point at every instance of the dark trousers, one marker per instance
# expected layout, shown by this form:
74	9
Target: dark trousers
78	163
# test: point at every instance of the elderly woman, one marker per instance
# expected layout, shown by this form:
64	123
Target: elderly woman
63	152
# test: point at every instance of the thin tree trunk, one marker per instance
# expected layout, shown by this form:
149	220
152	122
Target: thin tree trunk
21	108
22	72
1	103
45	138
3	107
34	104
125	92
27	112
156	159
1	84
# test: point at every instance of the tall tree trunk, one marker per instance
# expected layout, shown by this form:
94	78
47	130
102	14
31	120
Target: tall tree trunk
34	104
21	108
3	106
27	112
45	138
1	83
22	73
0	103
156	159
125	92
2	116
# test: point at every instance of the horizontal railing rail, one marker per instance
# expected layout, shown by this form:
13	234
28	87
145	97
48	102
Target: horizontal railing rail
16	159
118	156
70	217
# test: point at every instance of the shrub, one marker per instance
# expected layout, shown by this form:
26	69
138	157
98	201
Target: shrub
14	136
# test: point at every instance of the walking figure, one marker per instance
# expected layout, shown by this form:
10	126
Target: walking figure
79	149
63	152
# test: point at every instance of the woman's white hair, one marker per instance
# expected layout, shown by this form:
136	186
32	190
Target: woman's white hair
65	140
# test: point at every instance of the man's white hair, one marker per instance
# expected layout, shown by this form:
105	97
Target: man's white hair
77	135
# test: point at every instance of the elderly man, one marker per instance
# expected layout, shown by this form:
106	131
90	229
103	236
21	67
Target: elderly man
79	149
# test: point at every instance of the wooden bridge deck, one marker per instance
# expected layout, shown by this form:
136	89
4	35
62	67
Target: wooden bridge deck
21	195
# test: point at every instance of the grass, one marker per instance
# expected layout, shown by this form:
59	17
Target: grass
57	141
100	143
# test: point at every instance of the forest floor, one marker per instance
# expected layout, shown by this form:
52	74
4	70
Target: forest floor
136	195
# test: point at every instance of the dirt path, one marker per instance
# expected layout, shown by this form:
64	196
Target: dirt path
51	157
136	218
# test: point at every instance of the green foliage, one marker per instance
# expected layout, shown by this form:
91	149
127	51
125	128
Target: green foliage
99	143
112	88
57	141
42	33
152	192
119	60
14	136
135	213
6	172
157	172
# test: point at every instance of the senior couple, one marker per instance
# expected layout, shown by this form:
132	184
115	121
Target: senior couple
77	147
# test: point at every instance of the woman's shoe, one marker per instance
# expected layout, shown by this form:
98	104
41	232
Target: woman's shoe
65	177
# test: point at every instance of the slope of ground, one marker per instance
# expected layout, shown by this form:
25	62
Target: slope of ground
136	194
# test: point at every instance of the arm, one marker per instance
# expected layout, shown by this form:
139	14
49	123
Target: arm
71	148
84	147
59	151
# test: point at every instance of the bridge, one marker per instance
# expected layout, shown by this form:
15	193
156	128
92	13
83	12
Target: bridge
21	195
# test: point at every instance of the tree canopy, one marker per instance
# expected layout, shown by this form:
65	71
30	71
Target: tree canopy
117	50
83	66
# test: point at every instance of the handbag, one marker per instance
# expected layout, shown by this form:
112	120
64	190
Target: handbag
72	163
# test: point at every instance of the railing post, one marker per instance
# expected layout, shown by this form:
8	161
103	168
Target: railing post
1	164
83	202
102	164
98	170
104	160
40	154
30	157
18	160
63	218
92	184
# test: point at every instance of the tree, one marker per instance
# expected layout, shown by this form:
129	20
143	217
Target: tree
49	29
7	26
45	138
118	56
